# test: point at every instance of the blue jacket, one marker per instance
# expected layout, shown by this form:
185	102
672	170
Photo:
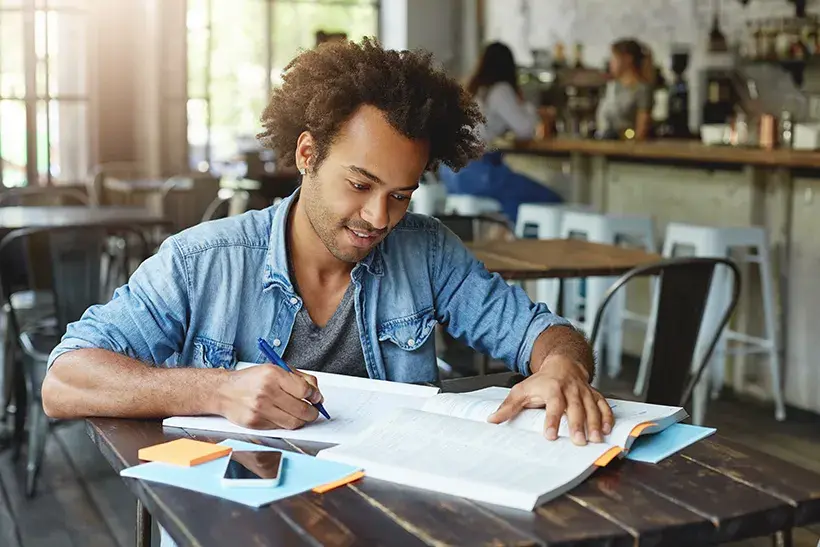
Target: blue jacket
211	291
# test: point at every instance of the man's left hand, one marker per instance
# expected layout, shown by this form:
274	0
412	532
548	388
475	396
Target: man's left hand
561	385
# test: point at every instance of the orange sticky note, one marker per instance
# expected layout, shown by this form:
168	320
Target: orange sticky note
638	429
186	452
608	456
341	482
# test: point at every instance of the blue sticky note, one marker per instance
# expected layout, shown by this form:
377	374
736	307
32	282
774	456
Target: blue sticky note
300	473
657	446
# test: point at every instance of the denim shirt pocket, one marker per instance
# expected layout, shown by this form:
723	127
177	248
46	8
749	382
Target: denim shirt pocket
212	354
408	333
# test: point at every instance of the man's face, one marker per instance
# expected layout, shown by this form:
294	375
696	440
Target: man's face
362	188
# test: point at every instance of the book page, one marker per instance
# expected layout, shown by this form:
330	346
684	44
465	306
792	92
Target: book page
479	405
468	458
351	409
355	382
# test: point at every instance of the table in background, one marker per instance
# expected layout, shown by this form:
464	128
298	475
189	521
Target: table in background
13	218
558	258
714	491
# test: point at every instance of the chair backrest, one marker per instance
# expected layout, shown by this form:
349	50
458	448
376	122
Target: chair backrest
682	292
43	196
185	198
73	259
474	228
95	182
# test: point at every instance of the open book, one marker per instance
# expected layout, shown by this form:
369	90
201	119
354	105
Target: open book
448	446
418	436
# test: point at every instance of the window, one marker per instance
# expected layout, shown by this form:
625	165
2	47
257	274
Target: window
237	50
44	135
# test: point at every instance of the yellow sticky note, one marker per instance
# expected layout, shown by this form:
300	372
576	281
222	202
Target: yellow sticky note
185	452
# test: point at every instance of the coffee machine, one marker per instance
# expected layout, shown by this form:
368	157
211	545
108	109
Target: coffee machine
677	121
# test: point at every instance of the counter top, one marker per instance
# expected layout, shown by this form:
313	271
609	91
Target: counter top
667	149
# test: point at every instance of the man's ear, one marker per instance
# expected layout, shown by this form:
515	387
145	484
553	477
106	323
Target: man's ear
305	149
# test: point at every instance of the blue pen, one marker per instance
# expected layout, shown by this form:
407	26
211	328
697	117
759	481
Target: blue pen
276	360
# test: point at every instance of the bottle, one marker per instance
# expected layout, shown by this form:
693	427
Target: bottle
786	130
579	55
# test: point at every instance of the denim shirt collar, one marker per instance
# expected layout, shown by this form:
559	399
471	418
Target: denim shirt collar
276	269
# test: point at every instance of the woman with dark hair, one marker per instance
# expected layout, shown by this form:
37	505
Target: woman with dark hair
494	86
626	108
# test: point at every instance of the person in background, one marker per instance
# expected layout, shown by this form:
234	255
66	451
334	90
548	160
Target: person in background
626	108
494	86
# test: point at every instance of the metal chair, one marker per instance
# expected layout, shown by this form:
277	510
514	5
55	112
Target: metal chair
683	288
234	202
476	227
32	305
74	274
95	181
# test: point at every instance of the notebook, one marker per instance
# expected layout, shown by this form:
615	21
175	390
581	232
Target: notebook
300	473
448	446
673	439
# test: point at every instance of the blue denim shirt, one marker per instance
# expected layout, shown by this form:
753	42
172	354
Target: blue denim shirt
212	290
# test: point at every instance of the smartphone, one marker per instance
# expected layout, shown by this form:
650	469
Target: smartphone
254	468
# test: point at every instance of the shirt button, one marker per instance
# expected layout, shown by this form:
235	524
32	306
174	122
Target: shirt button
411	342
294	301
277	342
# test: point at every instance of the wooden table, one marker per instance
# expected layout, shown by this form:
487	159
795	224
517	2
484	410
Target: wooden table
13	218
558	258
714	491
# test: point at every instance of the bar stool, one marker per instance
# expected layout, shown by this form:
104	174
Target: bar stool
428	199
543	221
712	241
608	229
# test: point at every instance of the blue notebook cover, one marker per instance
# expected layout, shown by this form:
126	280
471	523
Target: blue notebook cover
300	473
657	446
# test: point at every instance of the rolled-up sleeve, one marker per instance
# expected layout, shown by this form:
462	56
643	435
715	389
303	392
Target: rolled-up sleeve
146	319
481	309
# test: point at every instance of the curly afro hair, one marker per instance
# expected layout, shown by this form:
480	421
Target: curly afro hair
324	86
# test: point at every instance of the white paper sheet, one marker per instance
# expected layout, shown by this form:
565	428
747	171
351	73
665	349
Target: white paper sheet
479	405
353	404
475	460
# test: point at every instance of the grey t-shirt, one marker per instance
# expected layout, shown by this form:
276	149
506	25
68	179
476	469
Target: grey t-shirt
620	105
335	348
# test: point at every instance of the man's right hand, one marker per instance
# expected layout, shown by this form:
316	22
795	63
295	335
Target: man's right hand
268	397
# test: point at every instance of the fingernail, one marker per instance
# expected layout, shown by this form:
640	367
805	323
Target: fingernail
551	433
595	436
578	437
607	429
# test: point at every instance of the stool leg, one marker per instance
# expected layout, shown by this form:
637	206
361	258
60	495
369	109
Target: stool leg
648	341
767	287
596	288
721	299
614	339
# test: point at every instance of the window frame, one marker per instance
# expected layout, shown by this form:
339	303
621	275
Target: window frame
206	97
33	99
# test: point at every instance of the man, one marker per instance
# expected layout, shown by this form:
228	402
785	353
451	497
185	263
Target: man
338	277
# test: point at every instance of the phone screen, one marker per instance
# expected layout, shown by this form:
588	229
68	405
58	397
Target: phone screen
254	465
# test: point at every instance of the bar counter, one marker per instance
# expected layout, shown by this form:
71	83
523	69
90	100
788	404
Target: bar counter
667	149
712	185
